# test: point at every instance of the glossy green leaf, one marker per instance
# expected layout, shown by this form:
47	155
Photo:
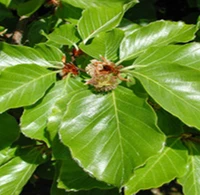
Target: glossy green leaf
29	7
157	33
9	130
5	2
176	88
98	19
128	27
72	86
65	34
7	154
105	44
50	53
34	118
12	55
72	177
110	134
2	29
160	169
187	55
190	181
23	85
15	173
94	3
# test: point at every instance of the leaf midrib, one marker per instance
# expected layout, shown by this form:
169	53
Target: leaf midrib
118	131
27	83
101	27
156	45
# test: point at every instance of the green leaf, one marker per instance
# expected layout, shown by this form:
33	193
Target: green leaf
29	7
12	55
9	130
65	34
7	154
46	170
94	3
105	44
72	177
34	34
23	85
110	134
190	181
72	86
114	191
187	55
68	12
157	33
170	125
176	88
34	118
5	2
98	19
4	13
2	30
160	169
15	173
128	27
51	53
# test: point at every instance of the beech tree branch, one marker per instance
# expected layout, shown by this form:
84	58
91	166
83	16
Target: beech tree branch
18	33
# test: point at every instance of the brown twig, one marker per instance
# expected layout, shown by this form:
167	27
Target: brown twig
18	33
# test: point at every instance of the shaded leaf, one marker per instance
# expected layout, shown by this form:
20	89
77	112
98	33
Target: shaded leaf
34	34
34	118
4	13
12	55
9	130
169	124
29	7
187	55
176	88
68	12
110	134
72	177
160	169
114	191
98	19
15	173
23	85
157	33
190	181
65	34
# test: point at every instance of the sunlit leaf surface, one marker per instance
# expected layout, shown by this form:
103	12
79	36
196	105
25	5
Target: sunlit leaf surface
110	134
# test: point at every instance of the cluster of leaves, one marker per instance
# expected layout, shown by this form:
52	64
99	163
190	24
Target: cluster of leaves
140	135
